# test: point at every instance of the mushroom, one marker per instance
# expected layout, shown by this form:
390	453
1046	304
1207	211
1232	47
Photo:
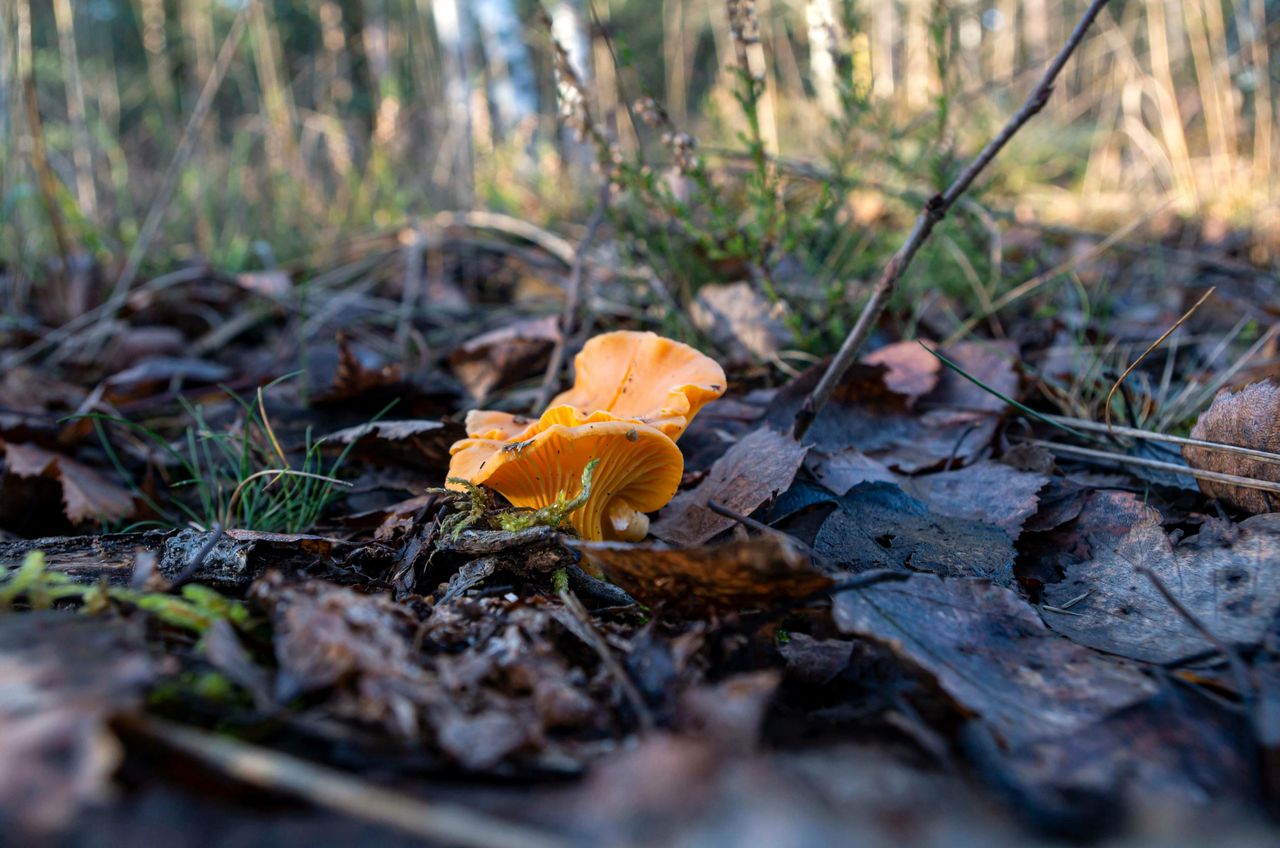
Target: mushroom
639	470
645	377
633	396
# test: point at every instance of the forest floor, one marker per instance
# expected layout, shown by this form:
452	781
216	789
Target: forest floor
959	610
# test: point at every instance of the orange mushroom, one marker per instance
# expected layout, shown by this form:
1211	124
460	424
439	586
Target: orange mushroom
645	377
634	394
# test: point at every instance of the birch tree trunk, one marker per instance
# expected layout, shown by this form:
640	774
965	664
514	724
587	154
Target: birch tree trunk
86	194
824	38
570	30
454	39
512	88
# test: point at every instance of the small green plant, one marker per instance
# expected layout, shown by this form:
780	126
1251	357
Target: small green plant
475	506
194	610
237	476
717	215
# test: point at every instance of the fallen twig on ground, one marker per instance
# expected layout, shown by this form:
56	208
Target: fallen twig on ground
447	823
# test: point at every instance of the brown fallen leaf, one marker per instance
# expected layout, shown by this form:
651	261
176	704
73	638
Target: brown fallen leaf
504	356
752	472
64	678
1228	581
912	370
358	372
736	575
326	635
86	494
1249	418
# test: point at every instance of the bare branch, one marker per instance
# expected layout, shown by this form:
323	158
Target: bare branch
934	211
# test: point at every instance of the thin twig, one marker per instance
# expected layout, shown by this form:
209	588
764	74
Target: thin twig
434	821
1157	465
746	520
593	638
1238	669
933	212
553	244
1106	407
197	561
1150	436
569	318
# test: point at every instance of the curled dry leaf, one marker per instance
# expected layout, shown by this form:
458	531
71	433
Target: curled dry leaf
357	372
737	575
1249	418
86	494
505	355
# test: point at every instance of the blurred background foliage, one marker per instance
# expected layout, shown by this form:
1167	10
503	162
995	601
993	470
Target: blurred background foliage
255	133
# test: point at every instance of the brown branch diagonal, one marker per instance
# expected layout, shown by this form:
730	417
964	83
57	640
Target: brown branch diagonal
935	209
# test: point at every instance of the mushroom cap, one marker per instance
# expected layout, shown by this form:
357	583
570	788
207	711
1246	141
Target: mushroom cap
642	376
639	470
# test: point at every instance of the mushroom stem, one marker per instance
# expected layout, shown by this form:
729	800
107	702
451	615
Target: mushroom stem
626	523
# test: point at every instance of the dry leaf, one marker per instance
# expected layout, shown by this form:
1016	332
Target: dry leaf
841	470
505	355
955	423
989	651
421	444
86	494
359	372
739	574
750	473
1249	418
878	525
1230	584
913	371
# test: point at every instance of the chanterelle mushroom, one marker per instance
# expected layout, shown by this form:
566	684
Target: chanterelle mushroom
633	395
